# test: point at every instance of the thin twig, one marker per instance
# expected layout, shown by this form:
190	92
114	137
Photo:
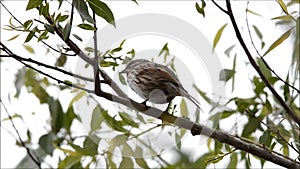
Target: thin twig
262	58
34	159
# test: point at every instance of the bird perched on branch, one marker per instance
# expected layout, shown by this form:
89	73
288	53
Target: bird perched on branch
154	82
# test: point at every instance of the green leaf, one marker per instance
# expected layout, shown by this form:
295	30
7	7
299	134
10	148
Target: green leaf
29	48
82	9
283	17
265	138
122	79
68	119
86	26
56	113
252	125
77	37
46	143
264	68
118	140
33	4
199	9
77	97
61	18
283	6
108	64
19	81
90	145
128	120
116	50
165	50
282	38
142	162
228	50
183	108
203	95
102	10
126	163
233	161
258	33
49	28
69	162
66	31
178	141
14	37
61	60
27	24
218	36
113	123
226	74
96	119
252	12
29	36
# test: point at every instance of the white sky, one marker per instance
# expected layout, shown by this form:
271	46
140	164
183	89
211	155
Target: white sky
183	10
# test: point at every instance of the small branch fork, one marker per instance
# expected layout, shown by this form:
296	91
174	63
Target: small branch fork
196	129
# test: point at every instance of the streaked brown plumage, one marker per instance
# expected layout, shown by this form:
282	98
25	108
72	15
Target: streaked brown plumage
155	82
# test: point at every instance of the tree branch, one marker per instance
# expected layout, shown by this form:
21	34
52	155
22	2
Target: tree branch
17	57
288	110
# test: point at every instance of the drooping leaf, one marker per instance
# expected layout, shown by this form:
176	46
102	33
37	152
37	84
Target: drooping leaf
218	36
122	79
82	9
183	108
257	31
282	38
102	10
33	4
233	161
29	36
56	113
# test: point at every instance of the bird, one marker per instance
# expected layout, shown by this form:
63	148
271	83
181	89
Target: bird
155	82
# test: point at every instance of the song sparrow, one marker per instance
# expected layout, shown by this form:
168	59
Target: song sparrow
155	82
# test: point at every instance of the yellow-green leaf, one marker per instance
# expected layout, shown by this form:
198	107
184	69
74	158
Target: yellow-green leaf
283	6
279	41
183	108
252	12
12	38
29	49
218	36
